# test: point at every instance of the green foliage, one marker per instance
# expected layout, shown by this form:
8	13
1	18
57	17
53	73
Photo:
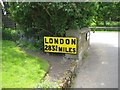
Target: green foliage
39	19
50	19
26	44
9	34
107	11
21	70
0	63
53	18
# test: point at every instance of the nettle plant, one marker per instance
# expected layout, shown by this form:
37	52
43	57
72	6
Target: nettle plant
38	19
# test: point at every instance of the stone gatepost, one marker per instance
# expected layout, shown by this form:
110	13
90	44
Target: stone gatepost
83	42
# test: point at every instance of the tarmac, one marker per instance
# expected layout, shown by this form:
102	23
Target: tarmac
100	69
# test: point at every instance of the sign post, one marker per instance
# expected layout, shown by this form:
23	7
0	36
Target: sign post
60	45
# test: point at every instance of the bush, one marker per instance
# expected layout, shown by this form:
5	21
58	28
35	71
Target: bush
50	19
9	34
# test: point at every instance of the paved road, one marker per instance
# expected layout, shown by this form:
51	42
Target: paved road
100	69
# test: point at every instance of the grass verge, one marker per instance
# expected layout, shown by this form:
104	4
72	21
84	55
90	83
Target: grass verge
21	70
0	64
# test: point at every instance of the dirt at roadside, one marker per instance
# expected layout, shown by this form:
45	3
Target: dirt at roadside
58	65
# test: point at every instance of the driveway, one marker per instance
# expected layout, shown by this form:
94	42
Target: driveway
100	69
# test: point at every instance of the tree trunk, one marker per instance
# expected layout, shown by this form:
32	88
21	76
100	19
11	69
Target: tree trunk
104	22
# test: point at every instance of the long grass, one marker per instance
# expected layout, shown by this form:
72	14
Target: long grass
21	70
0	63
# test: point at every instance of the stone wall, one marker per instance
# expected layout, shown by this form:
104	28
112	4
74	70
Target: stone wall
83	41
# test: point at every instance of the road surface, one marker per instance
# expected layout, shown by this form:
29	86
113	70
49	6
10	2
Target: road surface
100	69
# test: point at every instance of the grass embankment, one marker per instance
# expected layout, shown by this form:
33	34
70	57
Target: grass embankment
20	70
0	63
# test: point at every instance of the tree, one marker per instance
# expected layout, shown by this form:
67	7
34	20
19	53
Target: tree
51	19
107	11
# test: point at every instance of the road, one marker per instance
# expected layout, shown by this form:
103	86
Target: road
100	69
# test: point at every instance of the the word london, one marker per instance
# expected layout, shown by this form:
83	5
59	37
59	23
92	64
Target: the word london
60	44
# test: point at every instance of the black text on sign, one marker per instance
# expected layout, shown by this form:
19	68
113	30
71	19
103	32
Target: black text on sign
60	45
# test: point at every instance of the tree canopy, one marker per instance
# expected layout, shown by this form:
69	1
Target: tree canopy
52	18
107	11
38	19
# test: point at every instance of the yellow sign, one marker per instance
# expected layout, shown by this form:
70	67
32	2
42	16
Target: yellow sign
60	44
